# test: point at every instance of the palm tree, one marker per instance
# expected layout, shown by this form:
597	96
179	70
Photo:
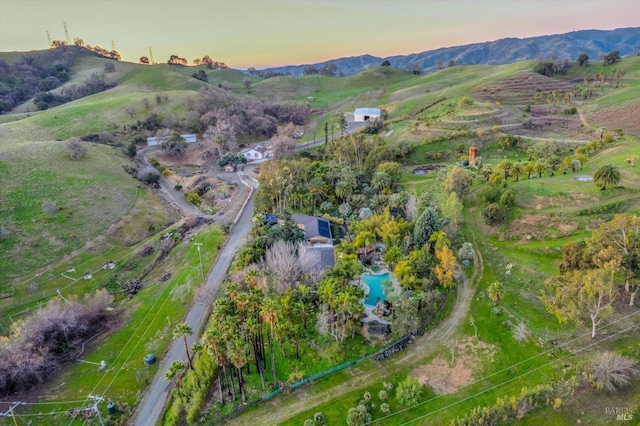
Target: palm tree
606	175
344	190
529	168
175	371
237	348
270	315
380	181
540	168
517	170
495	292
505	166
365	238
215	346
183	330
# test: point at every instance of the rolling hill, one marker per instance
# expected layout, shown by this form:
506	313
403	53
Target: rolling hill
503	51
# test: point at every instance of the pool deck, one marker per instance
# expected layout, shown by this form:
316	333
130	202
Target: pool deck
368	310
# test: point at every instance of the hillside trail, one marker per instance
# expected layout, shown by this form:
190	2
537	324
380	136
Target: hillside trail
271	413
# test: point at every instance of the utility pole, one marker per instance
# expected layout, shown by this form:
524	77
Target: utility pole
49	38
66	32
10	412
200	257
97	400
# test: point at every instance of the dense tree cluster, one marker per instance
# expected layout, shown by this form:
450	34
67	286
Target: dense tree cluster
265	73
587	287
327	69
550	67
40	345
247	116
32	74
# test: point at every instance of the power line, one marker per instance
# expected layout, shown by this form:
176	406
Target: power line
157	311
514	365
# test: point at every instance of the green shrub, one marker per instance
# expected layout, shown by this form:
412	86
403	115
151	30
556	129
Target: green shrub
508	198
193	198
409	391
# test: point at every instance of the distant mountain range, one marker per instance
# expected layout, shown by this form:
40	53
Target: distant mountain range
504	51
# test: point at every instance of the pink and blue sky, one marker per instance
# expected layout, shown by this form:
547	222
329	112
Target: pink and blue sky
263	33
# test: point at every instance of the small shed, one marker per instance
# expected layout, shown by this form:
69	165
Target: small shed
365	114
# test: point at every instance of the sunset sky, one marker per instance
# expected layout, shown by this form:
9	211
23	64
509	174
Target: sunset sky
262	33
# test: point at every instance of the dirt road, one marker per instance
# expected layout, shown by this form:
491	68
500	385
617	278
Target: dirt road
278	410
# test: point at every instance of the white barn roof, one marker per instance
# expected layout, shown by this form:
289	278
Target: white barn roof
367	111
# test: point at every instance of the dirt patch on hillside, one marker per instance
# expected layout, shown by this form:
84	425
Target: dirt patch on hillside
446	377
198	154
540	226
625	118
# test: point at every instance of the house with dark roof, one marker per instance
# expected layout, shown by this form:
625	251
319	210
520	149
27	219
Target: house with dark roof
317	233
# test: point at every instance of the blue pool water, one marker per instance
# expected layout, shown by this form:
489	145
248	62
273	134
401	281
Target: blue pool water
375	287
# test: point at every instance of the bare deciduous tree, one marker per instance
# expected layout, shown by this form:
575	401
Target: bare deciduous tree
222	136
76	148
41	343
611	371
286	262
181	291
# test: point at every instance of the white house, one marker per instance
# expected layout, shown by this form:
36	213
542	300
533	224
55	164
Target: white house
365	114
257	152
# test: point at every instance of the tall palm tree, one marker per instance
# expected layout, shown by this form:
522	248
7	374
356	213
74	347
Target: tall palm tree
183	330
215	346
505	166
270	315
237	348
529	168
540	168
517	170
606	175
175	371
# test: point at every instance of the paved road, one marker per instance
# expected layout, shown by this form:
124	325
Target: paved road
151	407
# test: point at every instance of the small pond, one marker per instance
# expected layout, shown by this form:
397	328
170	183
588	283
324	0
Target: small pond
584	178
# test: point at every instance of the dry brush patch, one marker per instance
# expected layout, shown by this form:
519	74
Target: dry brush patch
40	345
446	377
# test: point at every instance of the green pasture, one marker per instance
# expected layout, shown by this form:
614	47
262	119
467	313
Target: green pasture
148	320
90	194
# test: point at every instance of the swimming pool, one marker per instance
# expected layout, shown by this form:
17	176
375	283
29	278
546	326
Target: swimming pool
375	287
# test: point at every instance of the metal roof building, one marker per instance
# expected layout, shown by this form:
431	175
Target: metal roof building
365	114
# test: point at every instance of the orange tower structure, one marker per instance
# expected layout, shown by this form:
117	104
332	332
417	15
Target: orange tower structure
473	153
